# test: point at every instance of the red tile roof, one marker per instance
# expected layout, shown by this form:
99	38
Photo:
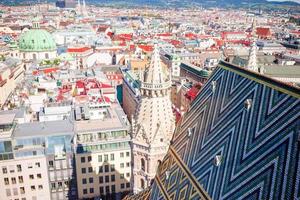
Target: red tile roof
78	49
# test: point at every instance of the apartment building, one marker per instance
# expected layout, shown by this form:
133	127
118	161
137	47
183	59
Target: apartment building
103	157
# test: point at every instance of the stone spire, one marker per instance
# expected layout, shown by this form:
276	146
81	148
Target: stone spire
153	124
252	60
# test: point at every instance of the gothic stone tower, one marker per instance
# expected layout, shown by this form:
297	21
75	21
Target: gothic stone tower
153	123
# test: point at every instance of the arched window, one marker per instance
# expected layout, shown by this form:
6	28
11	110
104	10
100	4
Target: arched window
142	183
143	164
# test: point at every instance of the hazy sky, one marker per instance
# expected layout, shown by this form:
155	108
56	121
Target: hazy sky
298	1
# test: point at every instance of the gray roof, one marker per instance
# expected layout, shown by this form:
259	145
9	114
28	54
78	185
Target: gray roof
44	128
290	71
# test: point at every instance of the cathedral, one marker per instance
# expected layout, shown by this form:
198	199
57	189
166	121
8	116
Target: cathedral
152	124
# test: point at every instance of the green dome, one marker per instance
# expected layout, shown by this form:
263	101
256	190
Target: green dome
37	40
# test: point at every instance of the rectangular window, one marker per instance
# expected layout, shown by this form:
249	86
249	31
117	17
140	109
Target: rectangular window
106	168
22	190
13	180
84	181
100	179
50	163
127	154
127	164
99	158
39	176
6	181
84	191
53	186
113	178
122	185
127	174
122	155
107	189
4	170
83	170
8	192
90	169
31	176
122	165
128	185
112	157
101	190
106	179
59	184
15	191
82	159
113	188
20	179
121	176
112	168
40	187
89	158
101	169
91	180
91	190
37	164
105	157
32	188
19	168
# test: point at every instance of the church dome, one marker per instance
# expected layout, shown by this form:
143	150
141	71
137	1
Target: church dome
36	40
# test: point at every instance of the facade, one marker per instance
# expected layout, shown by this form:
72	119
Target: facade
239	137
153	123
103	157
36	159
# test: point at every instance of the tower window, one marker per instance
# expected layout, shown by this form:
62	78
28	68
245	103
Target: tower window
143	164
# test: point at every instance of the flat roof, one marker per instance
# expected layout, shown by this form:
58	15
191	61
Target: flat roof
7	118
44	128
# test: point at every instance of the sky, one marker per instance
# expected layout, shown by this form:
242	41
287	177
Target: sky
298	1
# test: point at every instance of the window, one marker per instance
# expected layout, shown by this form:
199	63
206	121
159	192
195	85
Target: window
121	176
53	186
142	183
20	179
51	163
100	179
113	178
4	170
40	187
13	180
101	190
99	158
32	188
143	164
113	188
59	184
84	191
39	175
90	169
37	164
100	169
122	155
127	174
89	158
128	164
122	185
112	157
19	168
82	159
31	176
105	157
127	154
22	190
106	168
15	191
91	190
106	179
107	189
91	180
122	165
8	192
128	185
112	168
84	181
6	181
83	170
66	184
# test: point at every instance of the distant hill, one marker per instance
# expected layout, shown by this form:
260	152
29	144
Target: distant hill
164	3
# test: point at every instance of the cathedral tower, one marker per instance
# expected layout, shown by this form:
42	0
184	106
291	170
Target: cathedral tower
153	123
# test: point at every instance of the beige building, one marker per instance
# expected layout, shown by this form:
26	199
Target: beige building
11	73
103	155
153	123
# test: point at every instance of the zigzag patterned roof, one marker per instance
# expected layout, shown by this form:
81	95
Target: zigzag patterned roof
240	140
